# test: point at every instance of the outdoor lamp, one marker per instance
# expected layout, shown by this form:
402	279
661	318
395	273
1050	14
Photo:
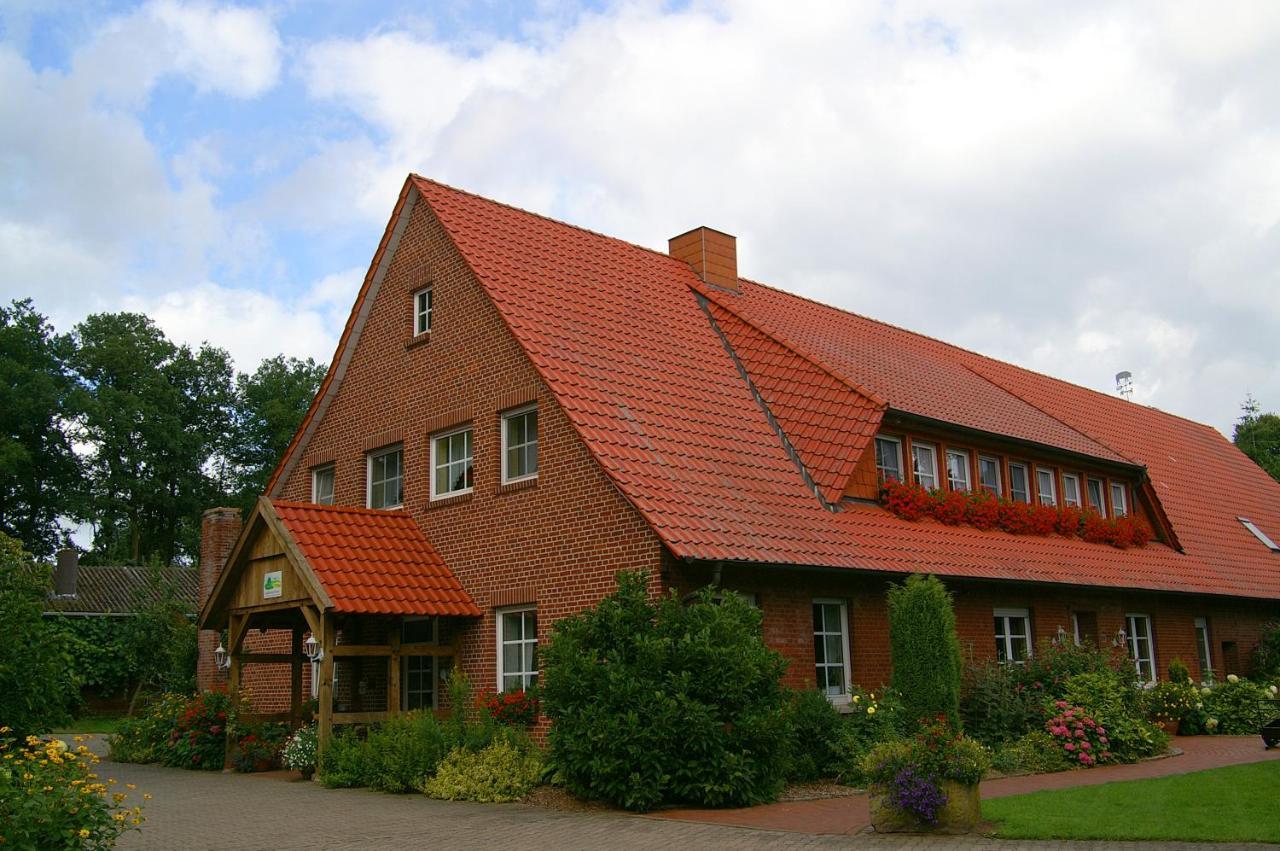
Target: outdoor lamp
1121	638
311	647
220	658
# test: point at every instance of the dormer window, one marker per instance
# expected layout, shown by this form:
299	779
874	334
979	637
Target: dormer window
1119	500
1070	490
989	475
958	469
1259	534
1096	500
1019	485
1046	486
889	458
924	461
422	311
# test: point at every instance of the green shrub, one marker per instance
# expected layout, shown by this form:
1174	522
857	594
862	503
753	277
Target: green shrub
53	799
937	750
499	773
344	761
814	728
1235	706
144	737
198	738
1266	653
925	649
38	685
1036	752
1111	698
662	701
403	751
872	718
1178	672
998	705
1172	701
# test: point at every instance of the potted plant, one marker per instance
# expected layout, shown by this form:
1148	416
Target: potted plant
926	784
299	752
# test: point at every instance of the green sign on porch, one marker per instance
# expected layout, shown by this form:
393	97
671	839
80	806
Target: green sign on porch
272	584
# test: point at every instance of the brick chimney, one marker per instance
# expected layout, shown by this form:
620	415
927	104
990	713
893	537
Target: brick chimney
219	529
65	573
712	255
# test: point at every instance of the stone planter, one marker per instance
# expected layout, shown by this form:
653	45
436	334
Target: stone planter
961	813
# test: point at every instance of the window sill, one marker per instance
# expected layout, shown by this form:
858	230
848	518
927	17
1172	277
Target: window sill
444	501
417	340
519	485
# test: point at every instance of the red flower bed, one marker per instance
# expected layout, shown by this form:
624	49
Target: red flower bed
513	708
982	510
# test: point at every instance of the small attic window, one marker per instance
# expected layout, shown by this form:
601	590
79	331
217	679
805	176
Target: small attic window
1259	534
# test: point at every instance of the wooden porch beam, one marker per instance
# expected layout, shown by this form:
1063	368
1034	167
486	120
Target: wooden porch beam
325	690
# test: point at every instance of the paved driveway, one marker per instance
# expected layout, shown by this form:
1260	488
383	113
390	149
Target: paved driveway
234	812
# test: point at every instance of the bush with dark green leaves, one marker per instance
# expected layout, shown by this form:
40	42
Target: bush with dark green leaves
344	761
38	685
403	752
1112	699
1036	752
655	701
815	728
925	649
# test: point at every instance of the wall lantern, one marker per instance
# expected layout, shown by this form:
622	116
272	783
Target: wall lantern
311	649
221	659
1121	639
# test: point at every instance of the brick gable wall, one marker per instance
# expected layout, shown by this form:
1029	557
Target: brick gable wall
557	542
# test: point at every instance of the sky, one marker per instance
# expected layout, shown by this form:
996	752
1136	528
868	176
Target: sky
1077	187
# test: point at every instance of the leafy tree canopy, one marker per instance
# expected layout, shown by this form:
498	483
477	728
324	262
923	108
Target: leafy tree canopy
1258	436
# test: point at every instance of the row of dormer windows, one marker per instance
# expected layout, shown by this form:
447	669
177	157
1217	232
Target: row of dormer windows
452	463
938	467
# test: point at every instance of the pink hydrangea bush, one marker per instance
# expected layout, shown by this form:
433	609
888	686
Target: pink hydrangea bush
1079	735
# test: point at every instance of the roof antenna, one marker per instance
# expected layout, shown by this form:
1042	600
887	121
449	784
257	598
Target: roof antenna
1124	385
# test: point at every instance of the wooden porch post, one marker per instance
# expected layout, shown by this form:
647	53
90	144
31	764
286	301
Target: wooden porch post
325	691
295	690
393	676
235	633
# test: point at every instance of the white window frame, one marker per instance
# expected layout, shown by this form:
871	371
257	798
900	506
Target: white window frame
506	419
1101	506
965	483
435	445
1205	646
932	451
1053	486
998	489
896	443
1262	536
1005	636
368	476
316	472
847	665
526	677
1132	639
1119	507
422	312
1026	479
1070	481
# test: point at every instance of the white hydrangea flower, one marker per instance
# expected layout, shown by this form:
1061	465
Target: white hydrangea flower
1232	678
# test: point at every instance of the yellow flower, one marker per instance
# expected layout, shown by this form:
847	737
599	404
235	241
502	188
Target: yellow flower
84	833
871	710
857	698
130	786
5	729
146	796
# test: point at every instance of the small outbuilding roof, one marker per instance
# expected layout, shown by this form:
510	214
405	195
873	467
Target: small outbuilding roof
102	589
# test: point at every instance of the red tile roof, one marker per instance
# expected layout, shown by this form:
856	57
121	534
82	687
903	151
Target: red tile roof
374	562
619	335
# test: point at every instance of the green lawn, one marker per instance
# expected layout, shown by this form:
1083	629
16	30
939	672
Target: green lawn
90	724
1234	804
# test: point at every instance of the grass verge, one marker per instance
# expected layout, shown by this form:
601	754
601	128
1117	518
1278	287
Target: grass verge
1233	804
90	724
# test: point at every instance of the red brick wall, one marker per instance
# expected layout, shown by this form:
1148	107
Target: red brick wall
219	529
557	543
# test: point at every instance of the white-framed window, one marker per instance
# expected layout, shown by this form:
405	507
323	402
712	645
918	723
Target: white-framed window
989	475
1019	484
1203	649
386	478
517	647
889	458
831	648
1071	490
422	311
958	469
1046	486
1263	537
322	480
924	463
1119	499
1096	501
451	463
1013	635
1142	648
520	444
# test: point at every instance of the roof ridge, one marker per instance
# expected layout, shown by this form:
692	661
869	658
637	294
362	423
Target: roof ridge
797	350
977	354
544	217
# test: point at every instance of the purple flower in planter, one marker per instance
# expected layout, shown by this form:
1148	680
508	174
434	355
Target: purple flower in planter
918	794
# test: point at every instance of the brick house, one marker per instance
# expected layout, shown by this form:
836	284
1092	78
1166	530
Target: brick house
550	405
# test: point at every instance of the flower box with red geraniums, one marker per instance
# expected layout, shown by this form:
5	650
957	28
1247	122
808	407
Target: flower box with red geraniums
515	708
984	511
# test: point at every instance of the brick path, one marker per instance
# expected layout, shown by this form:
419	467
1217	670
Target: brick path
847	816
237	812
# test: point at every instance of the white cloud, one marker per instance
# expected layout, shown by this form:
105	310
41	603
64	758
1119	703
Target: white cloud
1080	188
